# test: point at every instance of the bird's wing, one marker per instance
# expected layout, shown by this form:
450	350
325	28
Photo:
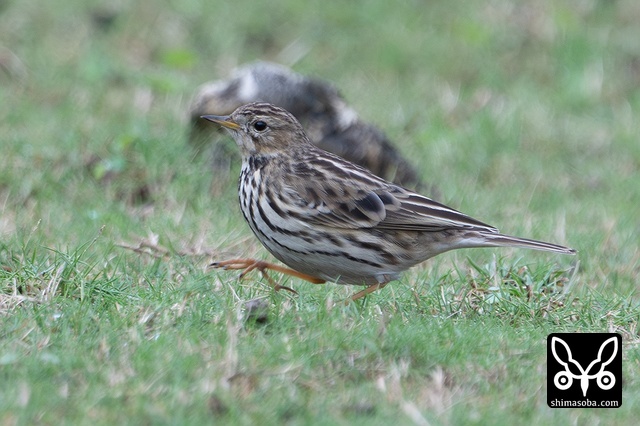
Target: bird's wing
324	204
415	212
362	200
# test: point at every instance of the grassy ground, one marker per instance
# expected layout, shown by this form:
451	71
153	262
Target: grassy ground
524	114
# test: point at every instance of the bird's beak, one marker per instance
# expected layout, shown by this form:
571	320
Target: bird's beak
223	120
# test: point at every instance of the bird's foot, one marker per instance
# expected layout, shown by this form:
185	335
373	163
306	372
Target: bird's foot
248	265
362	293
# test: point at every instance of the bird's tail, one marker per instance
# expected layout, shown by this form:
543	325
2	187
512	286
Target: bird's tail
489	239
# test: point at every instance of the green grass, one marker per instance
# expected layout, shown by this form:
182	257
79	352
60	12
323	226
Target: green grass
523	114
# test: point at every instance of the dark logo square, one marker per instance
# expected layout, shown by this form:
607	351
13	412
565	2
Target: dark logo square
584	370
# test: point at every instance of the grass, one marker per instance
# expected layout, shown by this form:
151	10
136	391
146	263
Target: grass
522	114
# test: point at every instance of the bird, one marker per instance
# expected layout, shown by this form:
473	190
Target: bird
328	219
329	121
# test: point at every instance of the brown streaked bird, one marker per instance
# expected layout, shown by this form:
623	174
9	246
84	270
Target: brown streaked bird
328	120
330	220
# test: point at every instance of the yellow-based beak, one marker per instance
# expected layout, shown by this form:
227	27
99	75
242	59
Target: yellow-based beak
223	120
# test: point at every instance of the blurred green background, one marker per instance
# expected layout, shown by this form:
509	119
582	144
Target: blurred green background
523	113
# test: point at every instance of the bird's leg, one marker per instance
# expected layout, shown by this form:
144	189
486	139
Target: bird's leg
366	291
248	265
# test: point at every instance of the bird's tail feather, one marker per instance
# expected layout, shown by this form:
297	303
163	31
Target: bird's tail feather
485	239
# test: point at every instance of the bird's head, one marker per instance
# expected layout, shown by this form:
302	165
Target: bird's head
262	129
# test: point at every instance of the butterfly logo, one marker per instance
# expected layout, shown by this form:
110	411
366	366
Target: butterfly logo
564	379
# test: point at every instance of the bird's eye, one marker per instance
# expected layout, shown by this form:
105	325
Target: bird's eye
260	126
